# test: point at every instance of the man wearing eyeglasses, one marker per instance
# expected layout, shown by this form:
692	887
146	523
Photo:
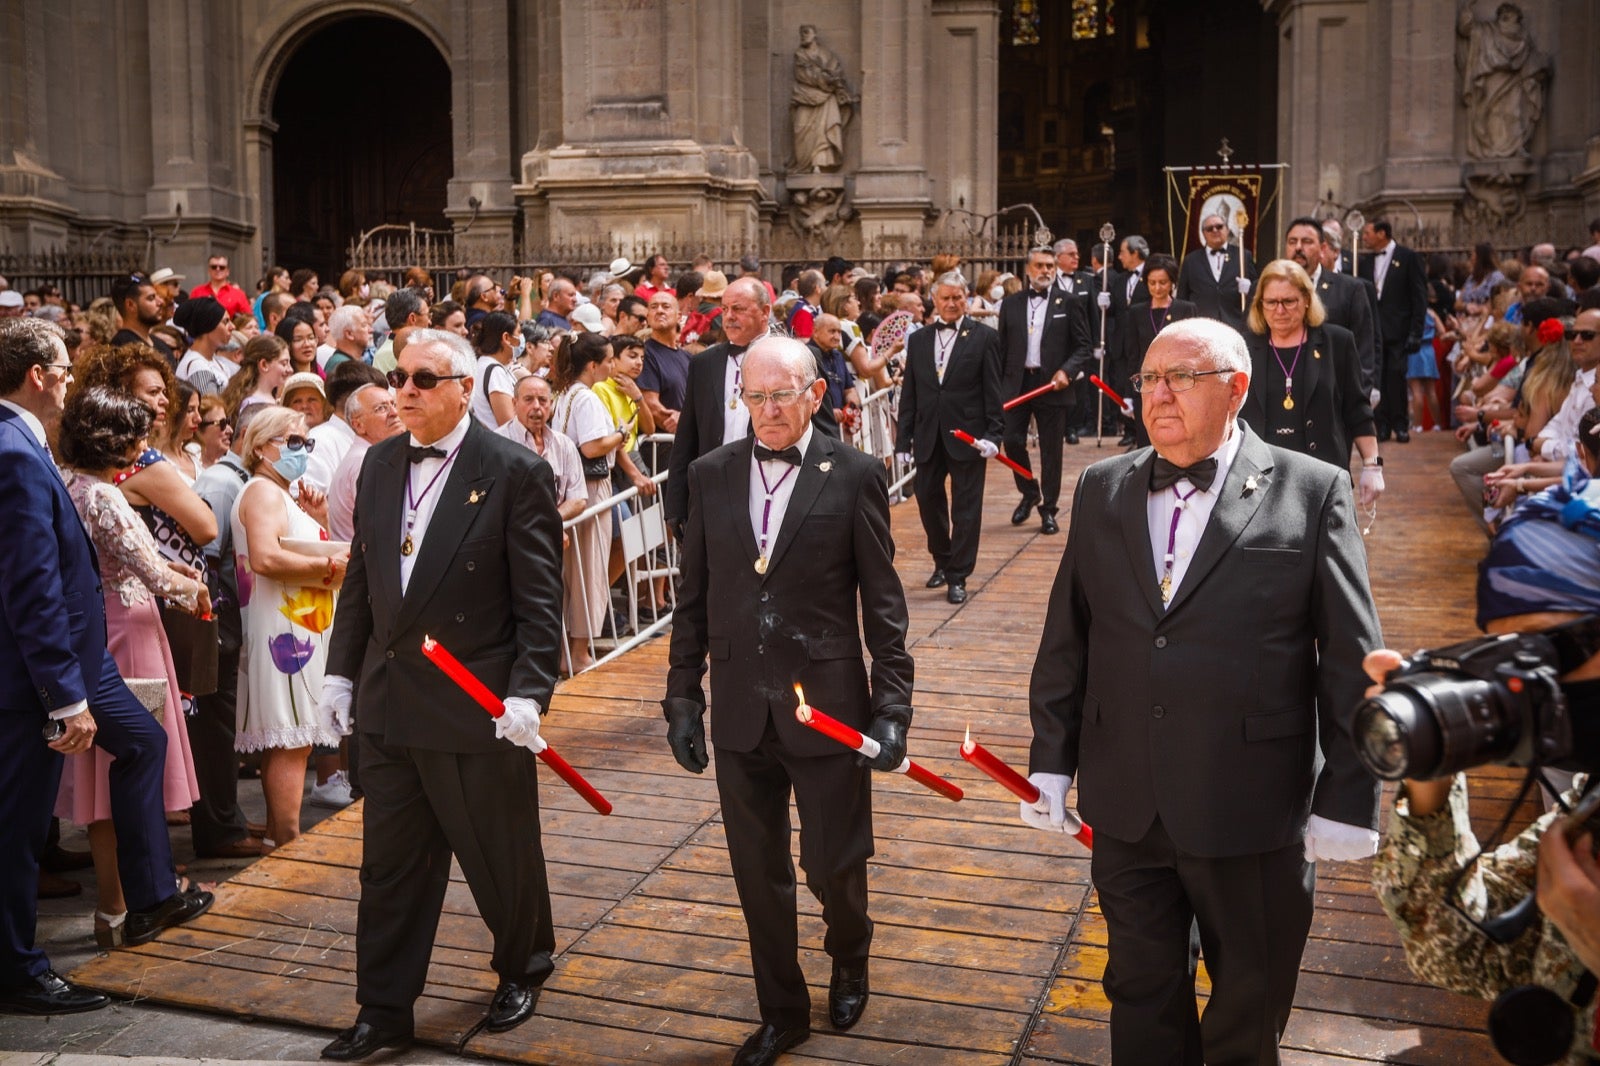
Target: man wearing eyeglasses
456	536
1211	277
219	288
787	539
1202	648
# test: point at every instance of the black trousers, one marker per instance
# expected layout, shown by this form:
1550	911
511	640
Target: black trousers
834	797
952	525
1393	405
1253	913
216	820
1050	413
422	806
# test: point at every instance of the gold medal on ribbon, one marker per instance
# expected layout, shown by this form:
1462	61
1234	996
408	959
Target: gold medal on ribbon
1288	402
406	547
761	564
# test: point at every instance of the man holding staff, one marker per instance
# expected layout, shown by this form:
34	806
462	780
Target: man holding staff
789	529
1192	665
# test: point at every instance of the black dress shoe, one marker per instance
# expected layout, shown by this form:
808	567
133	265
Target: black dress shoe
1402	436
361	1040
50	994
1125	440
512	1005
847	994
767	1043
1020	515
1072	436
935	580
1047	522
176	909
956	593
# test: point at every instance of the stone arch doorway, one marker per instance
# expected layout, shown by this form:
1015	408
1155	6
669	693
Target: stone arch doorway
362	115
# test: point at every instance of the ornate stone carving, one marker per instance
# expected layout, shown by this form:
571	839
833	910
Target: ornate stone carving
1503	80
820	107
817	207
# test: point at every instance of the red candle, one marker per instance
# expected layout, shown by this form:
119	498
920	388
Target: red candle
830	726
436	653
1025	397
967	438
1020	786
1126	405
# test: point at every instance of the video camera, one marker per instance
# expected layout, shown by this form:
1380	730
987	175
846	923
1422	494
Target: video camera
1491	700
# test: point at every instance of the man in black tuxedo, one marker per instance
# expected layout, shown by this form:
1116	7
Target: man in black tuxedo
456	537
1197	674
1402	283
1044	339
790	531
951	381
712	414
1080	285
1127	288
1210	277
1343	296
1069	278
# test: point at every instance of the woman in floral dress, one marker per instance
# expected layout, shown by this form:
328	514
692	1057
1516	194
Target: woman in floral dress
286	598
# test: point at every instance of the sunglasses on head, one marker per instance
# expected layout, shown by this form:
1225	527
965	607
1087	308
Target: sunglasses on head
423	379
295	442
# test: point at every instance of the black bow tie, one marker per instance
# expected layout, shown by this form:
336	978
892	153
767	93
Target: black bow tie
790	455
946	325
1038	294
1164	475
416	454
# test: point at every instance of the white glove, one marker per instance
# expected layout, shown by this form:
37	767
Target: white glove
1103	301
1127	406
520	724
1244	286
333	708
1049	811
987	448
904	458
1375	396
1338	842
1371	485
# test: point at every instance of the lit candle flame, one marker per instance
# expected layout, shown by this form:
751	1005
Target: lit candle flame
966	742
801	711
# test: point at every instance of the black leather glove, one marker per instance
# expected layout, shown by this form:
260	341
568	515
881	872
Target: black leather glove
686	733
888	728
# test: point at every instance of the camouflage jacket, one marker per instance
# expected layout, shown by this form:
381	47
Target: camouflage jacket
1411	873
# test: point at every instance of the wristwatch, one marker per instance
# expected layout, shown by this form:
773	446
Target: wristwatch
1377	460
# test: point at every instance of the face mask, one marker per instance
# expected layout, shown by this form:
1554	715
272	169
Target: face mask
997	293
518	349
365	291
291	465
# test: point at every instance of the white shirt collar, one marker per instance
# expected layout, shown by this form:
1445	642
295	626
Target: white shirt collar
448	442
30	420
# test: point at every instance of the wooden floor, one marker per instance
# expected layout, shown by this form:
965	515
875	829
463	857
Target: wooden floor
989	945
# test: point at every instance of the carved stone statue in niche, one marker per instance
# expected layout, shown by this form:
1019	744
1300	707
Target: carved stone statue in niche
820	106
1503	79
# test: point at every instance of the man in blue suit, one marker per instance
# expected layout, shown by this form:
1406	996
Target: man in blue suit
60	692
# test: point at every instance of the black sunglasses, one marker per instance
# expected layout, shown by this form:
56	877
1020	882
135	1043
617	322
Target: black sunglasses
1584	335
423	379
294	442
214	422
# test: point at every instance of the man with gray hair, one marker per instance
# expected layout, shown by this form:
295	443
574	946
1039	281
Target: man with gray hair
372	415
1198	670
455	537
405	309
350	331
951	383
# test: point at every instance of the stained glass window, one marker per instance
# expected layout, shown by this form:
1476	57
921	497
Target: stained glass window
1111	17
1025	22
1085	19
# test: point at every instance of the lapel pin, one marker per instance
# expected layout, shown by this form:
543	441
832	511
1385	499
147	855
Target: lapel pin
1316	353
825	466
476	496
963	333
1249	484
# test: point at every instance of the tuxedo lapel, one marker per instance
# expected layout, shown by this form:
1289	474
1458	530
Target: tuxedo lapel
736	482
808	484
381	528
1242	495
461	499
1133	506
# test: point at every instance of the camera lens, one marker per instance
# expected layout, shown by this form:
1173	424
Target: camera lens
1432	724
1394	731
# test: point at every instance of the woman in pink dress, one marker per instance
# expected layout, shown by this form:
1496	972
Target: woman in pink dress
102	432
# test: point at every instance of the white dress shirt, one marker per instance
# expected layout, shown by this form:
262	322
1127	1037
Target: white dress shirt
334	438
342	492
1196	513
735	415
1380	266
1037	310
1559	437
779	479
420	474
1219	259
944	345
1133	282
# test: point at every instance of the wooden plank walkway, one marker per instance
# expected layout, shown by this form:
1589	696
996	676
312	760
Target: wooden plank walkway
989	944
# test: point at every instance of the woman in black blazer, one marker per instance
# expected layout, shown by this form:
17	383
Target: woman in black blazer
1145	319
1305	381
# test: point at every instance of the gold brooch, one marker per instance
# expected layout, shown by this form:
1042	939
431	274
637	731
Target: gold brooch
476	496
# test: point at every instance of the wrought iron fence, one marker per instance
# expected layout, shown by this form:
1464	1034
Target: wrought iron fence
81	276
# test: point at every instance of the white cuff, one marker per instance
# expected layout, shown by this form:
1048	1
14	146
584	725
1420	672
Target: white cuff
69	710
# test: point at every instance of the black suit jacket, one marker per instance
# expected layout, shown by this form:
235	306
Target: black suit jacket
1213	298
968	398
1330	403
700	424
1137	333
1210	714
1348	302
797	622
1403	303
1064	344
486	585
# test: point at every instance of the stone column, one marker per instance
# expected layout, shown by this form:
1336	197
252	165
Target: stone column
480	199
34	211
963	104
892	191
